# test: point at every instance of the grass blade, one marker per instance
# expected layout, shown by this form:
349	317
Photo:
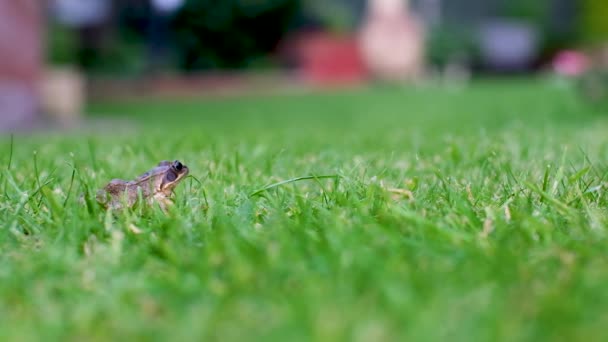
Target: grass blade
10	153
292	180
562	207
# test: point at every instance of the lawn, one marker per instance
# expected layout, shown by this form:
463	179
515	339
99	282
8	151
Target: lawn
477	214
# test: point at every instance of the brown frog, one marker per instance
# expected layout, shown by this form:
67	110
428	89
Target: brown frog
155	185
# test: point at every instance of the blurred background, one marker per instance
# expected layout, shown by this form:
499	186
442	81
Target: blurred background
56	55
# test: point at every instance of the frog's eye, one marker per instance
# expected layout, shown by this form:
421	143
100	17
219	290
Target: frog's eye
171	176
177	165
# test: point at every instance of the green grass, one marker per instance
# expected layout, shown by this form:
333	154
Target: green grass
472	215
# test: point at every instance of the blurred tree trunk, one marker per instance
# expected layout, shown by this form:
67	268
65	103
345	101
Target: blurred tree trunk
21	59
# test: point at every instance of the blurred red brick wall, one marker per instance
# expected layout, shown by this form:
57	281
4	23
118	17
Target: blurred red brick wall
21	58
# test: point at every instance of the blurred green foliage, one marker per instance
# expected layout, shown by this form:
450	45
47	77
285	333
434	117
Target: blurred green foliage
445	44
61	44
535	12
122	54
205	34
593	21
335	16
231	33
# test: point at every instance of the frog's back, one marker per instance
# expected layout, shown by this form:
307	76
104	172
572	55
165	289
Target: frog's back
147	181
111	191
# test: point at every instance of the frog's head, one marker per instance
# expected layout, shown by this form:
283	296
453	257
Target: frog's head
168	174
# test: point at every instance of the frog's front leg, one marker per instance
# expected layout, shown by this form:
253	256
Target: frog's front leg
163	201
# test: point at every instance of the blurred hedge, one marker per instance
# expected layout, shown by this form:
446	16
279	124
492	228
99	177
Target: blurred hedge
230	33
594	21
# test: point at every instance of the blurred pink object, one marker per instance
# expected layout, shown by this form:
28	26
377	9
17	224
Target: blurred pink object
21	59
571	63
391	41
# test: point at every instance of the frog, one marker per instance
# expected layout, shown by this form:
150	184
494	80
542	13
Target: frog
155	185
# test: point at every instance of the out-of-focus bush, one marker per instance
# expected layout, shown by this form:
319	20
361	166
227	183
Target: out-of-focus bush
121	50
449	43
230	33
594	21
335	16
61	45
533	12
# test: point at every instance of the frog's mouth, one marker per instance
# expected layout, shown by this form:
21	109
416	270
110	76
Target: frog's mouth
185	171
